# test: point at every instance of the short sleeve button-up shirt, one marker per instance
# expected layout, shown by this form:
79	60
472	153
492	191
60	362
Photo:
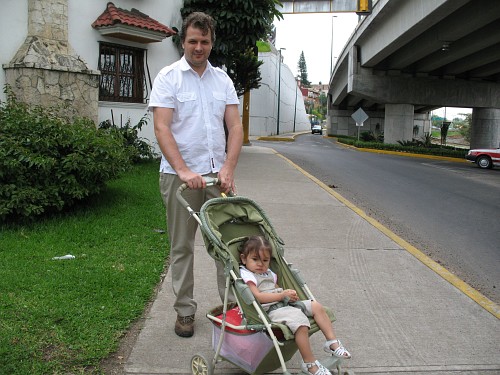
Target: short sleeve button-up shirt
199	104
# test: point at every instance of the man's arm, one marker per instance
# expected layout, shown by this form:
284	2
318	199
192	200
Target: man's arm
234	143
168	146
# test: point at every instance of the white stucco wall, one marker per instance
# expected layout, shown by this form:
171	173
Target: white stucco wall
264	100
13	31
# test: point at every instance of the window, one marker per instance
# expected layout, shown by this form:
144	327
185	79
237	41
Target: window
122	73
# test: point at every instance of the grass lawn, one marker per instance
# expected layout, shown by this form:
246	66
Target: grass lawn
64	316
437	133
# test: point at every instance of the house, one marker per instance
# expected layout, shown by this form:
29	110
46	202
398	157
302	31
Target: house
99	58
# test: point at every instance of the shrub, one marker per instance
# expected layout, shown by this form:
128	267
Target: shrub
48	163
414	146
368	136
137	148
413	143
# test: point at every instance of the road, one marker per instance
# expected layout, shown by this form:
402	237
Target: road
448	210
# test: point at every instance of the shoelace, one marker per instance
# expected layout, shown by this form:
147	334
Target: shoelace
185	319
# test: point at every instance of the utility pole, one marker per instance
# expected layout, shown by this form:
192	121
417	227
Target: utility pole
279	89
331	50
295	107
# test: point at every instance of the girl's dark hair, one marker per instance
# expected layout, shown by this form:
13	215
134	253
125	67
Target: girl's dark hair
199	20
254	244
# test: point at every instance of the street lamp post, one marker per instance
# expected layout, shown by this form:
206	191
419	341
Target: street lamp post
331	49
279	89
297	80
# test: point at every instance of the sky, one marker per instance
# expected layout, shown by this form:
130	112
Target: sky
312	34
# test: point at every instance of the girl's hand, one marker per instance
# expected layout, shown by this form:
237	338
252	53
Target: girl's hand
291	294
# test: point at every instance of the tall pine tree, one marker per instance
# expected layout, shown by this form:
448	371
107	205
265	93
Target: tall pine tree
302	67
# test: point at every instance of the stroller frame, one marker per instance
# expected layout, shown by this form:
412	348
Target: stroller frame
224	223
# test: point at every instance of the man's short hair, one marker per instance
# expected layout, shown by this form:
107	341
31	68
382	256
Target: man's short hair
199	20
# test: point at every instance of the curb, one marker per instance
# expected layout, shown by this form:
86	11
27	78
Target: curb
290	137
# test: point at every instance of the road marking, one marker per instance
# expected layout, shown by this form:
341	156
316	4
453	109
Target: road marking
465	288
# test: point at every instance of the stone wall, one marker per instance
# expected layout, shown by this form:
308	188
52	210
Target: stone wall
46	71
75	92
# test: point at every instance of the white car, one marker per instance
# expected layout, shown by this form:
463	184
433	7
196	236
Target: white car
317	129
484	157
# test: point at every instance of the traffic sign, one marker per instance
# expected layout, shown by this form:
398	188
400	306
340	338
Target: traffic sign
359	116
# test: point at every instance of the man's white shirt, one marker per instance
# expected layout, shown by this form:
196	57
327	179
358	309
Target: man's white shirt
199	105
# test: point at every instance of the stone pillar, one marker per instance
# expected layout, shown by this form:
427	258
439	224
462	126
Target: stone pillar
398	124
485	128
46	71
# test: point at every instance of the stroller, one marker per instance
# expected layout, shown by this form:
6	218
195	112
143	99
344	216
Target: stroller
242	331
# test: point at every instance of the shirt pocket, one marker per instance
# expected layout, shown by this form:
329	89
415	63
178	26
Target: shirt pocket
186	104
219	104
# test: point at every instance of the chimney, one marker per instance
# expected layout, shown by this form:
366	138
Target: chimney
46	70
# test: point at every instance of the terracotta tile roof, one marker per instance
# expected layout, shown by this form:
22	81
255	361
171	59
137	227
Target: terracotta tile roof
114	15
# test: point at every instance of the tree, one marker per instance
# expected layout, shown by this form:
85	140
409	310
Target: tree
302	67
239	25
466	125
323	102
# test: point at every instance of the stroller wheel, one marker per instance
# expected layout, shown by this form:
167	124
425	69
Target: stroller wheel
200	366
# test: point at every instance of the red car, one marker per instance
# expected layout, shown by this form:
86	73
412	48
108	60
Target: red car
484	157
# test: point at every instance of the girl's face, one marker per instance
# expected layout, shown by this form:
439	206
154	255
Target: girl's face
257	262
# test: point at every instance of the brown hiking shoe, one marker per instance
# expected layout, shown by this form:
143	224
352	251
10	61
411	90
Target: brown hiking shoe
184	326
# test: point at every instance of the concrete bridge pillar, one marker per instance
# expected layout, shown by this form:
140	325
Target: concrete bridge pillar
485	128
421	125
398	124
339	122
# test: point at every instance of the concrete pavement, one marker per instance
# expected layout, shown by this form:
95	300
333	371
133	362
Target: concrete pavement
397	311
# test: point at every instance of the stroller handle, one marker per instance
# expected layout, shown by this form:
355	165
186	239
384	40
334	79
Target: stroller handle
210	181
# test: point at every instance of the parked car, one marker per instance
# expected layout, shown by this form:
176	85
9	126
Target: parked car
484	157
317	129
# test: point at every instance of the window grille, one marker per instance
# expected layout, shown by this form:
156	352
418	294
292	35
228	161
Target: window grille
122	73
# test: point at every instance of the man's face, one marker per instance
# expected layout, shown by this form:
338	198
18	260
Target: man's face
197	47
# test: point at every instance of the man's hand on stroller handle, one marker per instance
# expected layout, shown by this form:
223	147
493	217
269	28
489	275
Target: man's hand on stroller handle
226	179
192	180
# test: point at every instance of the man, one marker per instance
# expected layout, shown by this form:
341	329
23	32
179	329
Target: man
191	100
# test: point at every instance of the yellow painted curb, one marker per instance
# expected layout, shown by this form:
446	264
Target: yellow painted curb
277	138
421	156
465	288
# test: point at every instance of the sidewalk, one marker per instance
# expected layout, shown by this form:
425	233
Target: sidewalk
395	314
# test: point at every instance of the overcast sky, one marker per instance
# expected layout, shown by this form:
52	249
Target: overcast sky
312	34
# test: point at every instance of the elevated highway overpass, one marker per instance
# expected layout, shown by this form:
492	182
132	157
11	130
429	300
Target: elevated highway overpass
409	57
